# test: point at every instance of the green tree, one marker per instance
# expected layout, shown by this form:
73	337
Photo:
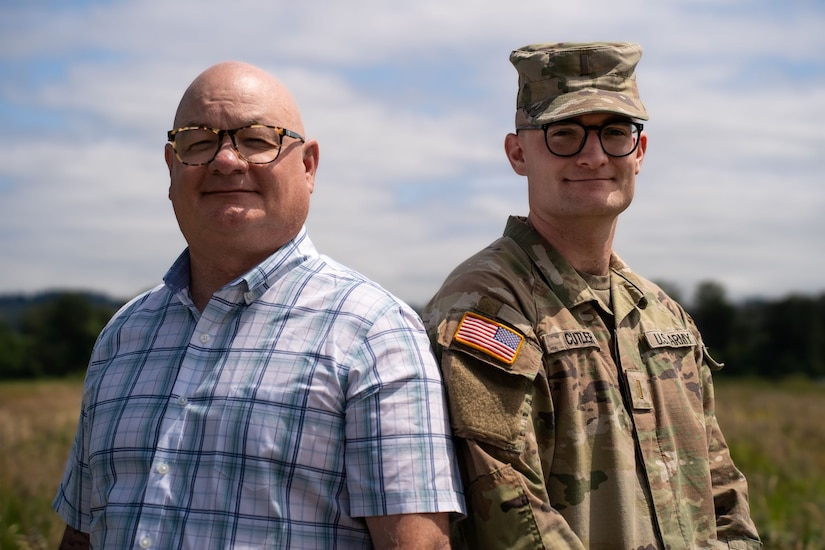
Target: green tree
63	332
715	317
793	338
12	353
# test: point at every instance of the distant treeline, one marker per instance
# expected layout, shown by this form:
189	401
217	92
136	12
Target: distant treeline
767	338
52	334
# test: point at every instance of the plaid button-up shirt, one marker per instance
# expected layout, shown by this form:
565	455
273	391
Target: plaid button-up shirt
303	398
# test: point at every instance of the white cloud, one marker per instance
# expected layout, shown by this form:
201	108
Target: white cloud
410	102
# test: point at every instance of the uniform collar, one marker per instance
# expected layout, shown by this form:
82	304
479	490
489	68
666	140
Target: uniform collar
564	280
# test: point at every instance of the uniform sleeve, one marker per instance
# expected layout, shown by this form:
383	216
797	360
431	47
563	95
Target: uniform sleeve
492	416
730	489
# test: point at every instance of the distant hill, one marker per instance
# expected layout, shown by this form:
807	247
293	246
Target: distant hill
13	305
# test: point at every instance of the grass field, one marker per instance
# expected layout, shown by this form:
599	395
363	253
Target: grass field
37	424
776	432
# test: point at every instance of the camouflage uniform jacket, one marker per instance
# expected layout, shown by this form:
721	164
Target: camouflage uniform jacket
578	428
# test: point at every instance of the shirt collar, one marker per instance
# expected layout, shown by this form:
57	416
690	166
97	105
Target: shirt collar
257	280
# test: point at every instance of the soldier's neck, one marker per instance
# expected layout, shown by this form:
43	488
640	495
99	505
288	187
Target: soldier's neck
586	244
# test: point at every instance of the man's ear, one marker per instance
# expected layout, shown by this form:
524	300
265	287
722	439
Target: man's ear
640	151
515	154
311	156
169	155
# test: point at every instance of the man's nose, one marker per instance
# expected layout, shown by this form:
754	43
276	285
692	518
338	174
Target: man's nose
592	152
228	158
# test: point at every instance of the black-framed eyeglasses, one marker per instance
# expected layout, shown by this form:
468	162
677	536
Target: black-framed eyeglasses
567	138
256	143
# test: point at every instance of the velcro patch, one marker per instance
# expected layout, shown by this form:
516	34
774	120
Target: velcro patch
639	390
568	339
670	339
489	337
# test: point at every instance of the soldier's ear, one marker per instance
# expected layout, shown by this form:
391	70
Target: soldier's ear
515	153
640	151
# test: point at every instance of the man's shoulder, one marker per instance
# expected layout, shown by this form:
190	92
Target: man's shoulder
348	287
147	303
503	260
138	315
653	290
500	276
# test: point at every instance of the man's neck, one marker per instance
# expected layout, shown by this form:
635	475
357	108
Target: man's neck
586	244
210	273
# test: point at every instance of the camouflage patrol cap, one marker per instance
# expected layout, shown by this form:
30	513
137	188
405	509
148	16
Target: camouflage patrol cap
564	80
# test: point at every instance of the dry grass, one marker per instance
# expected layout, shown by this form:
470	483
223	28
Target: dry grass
37	424
776	432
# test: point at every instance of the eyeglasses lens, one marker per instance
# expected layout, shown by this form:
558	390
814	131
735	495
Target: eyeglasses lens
256	144
567	139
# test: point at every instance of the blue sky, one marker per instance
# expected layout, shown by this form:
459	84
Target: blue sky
410	102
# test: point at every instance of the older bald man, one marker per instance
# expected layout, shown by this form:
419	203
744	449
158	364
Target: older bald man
262	395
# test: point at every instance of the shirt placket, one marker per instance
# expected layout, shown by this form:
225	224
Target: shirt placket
169	476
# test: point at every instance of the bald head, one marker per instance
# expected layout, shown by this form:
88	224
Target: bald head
233	212
249	89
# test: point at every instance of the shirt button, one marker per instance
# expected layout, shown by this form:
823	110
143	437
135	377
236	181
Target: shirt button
145	542
182	400
163	468
204	338
249	296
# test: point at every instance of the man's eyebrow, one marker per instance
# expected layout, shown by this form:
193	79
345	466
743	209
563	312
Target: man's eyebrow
618	118
192	123
614	117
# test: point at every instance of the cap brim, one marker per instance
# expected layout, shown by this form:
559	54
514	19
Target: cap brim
583	102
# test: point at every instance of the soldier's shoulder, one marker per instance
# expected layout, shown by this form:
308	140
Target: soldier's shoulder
503	260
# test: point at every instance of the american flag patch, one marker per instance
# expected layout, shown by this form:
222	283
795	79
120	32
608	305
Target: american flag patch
490	337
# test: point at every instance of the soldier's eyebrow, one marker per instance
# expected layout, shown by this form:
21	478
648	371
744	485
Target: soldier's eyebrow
608	120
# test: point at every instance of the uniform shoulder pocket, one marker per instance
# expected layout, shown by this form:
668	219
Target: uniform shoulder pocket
489	368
